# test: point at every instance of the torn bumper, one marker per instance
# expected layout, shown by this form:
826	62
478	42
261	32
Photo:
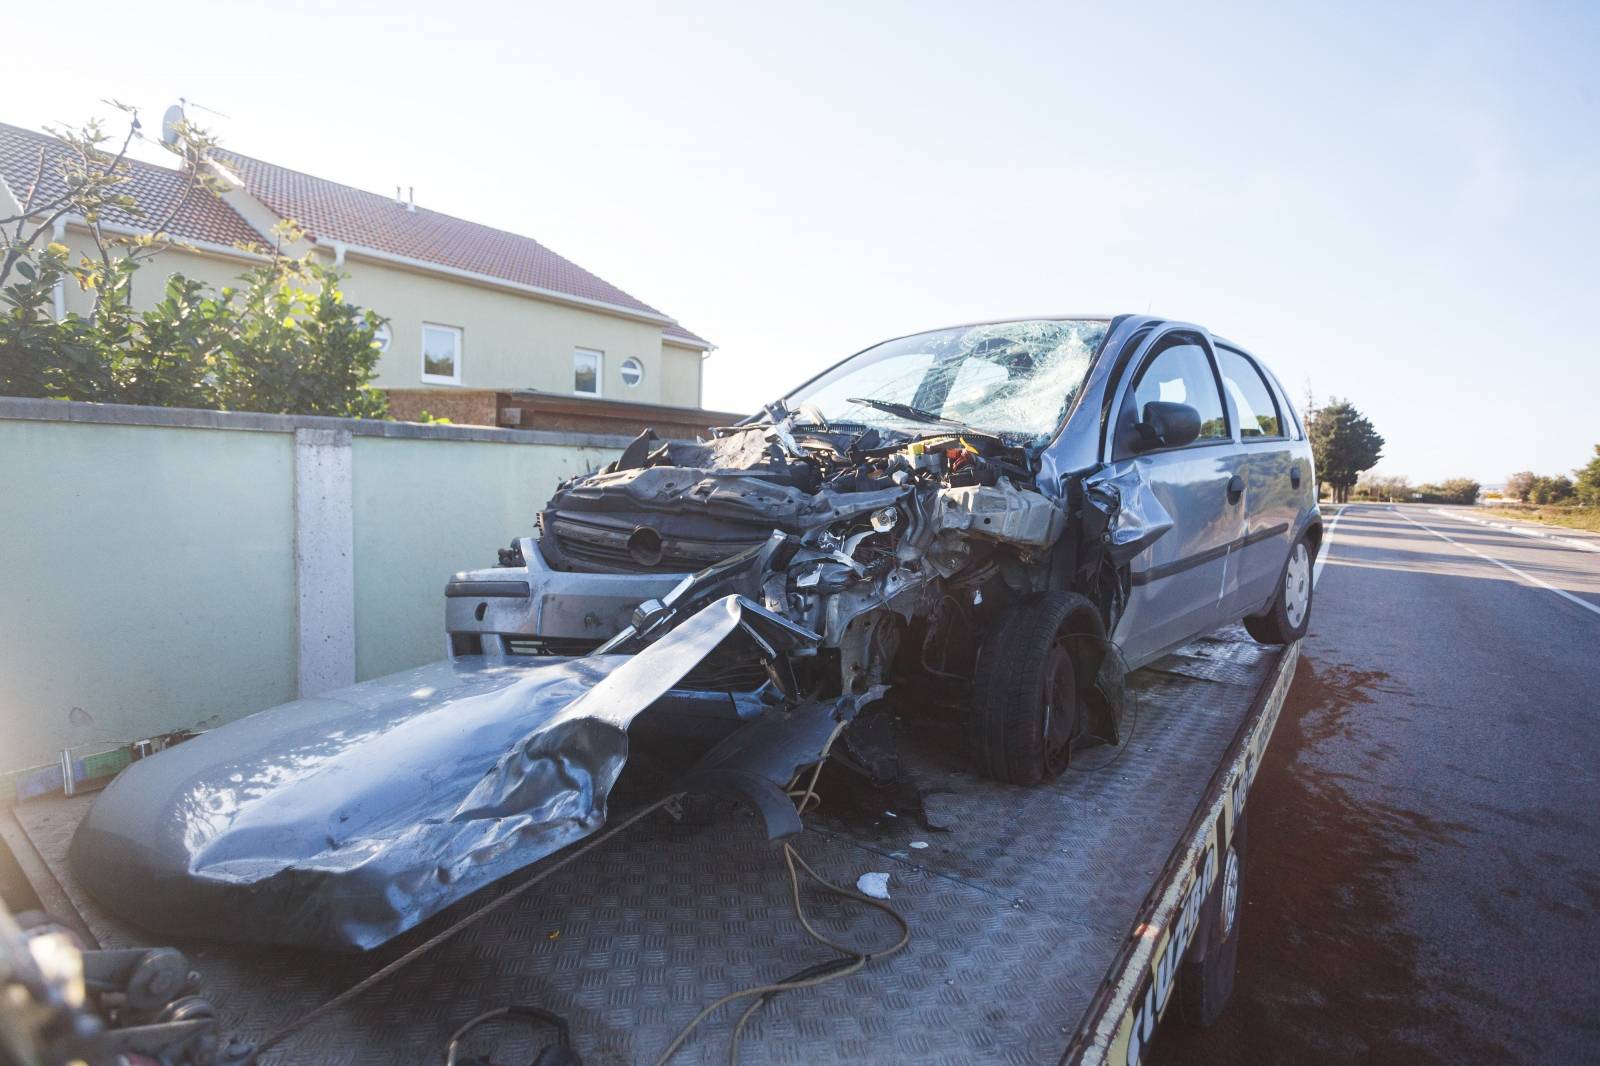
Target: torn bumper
536	600
342	820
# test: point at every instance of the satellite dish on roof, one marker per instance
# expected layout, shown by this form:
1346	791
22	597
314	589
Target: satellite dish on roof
170	123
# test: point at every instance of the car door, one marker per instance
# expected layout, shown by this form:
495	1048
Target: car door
1272	479
1180	583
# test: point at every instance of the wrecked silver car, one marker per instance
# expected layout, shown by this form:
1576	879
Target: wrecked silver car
1008	516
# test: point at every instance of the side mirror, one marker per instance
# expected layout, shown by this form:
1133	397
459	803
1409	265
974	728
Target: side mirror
1167	425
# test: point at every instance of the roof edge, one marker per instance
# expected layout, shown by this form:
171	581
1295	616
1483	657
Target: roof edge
256	255
490	281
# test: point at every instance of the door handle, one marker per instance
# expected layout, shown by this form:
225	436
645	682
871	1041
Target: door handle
1294	476
1235	488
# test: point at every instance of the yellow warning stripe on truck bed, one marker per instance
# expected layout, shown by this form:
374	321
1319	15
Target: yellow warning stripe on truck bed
1142	989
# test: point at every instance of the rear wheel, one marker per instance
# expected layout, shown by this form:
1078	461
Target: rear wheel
1285	620
1205	981
1026	706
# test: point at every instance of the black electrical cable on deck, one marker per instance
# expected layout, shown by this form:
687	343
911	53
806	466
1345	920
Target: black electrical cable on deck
852	960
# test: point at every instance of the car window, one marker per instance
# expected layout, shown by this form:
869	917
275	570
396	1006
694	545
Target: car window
1016	378
1258	413
1182	374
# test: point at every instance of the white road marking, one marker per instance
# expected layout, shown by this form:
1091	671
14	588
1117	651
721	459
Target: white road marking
1524	531
1327	544
1563	593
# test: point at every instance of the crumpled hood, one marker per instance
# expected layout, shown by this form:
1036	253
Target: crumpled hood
344	819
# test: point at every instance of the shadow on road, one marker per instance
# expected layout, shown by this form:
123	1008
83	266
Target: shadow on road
1326	971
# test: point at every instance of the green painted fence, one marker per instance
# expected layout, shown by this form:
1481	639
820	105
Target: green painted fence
163	570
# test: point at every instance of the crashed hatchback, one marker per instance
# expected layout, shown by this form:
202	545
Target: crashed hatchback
1008	514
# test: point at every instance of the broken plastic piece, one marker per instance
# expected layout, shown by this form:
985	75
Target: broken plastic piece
873	884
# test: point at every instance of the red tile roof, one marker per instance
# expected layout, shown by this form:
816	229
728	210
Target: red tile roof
156	189
329	211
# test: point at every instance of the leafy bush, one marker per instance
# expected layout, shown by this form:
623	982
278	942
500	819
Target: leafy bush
1550	490
1587	487
1384	487
1455	490
283	340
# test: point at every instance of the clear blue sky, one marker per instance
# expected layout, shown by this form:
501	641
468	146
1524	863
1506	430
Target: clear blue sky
1397	203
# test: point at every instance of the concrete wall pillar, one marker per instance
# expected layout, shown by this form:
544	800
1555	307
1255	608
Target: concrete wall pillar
324	560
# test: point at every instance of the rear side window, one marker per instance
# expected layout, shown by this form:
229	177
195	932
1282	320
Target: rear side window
1182	374
1258	411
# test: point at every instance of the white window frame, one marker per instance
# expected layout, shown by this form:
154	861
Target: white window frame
622	371
440	379
599	371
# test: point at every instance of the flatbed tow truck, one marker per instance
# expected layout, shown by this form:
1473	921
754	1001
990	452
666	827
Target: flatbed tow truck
1055	923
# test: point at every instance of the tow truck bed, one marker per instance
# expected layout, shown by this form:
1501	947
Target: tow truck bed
1040	919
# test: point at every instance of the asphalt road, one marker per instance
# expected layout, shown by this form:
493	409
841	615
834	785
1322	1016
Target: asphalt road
1423	876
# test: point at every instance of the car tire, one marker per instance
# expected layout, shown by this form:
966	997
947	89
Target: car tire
1286	619
1026	704
1205	980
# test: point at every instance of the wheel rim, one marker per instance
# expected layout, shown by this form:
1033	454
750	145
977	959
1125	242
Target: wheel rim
1060	708
1230	891
1297	585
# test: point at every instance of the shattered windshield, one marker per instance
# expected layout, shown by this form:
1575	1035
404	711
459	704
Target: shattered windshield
1013	378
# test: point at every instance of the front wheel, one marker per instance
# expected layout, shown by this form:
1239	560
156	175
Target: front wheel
1027	708
1287	618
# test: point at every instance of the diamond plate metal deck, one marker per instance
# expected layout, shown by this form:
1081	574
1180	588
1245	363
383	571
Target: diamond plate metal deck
1017	913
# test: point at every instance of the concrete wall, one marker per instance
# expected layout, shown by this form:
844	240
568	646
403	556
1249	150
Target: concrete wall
164	569
427	508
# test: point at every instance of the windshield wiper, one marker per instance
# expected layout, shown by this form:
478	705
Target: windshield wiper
905	410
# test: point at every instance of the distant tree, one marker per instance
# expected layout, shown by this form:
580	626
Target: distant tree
1587	487
1385	487
1520	484
1455	490
1545	490
1343	443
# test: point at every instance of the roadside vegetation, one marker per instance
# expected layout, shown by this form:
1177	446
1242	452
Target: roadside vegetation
1391	488
1560	500
283	340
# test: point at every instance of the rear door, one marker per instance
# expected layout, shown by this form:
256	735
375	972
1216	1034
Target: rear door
1272	479
1180	582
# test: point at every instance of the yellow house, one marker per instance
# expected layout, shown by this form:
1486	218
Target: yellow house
475	314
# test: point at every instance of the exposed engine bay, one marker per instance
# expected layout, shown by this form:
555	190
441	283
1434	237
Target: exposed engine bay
893	547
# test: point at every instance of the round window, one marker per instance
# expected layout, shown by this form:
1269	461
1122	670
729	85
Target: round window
632	372
381	337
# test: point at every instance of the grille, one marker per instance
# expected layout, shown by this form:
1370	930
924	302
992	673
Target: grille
640	549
